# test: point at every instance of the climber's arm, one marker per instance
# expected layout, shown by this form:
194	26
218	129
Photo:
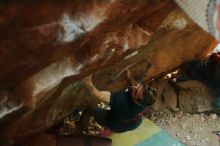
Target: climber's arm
132	81
101	95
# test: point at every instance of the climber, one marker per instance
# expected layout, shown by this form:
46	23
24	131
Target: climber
206	71
125	106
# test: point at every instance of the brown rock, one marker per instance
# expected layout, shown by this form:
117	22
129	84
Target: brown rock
194	96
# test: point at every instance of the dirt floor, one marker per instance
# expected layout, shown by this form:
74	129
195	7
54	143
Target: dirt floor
191	130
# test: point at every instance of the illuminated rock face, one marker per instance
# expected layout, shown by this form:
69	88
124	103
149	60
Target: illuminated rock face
48	46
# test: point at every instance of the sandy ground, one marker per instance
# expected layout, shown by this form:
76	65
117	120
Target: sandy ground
191	130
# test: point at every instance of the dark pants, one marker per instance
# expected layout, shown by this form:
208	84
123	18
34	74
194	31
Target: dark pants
99	114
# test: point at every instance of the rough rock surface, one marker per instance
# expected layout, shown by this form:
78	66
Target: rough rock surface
48	46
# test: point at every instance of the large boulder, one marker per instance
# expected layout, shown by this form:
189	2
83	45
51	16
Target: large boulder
48	46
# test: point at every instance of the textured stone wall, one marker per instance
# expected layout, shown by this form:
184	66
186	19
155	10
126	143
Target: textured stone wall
48	46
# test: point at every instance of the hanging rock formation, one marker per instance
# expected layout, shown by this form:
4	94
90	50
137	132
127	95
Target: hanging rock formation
48	46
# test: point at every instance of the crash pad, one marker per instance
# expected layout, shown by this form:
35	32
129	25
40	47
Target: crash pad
147	134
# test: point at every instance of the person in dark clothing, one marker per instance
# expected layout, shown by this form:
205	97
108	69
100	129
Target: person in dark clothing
206	71
125	106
